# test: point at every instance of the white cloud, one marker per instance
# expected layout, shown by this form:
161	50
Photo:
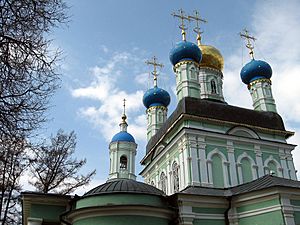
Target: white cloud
107	88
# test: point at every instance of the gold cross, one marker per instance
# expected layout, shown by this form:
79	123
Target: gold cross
155	65
198	20
249	45
182	26
124	101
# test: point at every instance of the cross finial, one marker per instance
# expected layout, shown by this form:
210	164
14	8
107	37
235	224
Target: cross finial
124	117
183	17
197	29
155	65
123	124
249	45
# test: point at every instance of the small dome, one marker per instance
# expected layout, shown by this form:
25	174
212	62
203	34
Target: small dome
124	186
185	50
211	57
255	69
156	97
123	136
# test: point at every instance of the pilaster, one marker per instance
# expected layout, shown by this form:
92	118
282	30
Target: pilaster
259	161
261	94
232	163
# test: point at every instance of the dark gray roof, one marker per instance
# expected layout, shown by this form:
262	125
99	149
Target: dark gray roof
124	186
208	109
264	182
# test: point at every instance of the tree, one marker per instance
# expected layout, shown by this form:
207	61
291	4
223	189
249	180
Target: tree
54	168
28	78
27	64
13	162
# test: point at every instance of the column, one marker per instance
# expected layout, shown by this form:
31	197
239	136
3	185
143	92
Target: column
232	163
202	162
259	162
283	163
181	167
194	161
169	177
291	167
287	210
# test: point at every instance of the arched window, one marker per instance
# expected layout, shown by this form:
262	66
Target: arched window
152	183
246	170
175	176
272	168
160	116
123	162
213	87
163	182
217	171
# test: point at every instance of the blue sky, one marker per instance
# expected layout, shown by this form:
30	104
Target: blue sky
107	42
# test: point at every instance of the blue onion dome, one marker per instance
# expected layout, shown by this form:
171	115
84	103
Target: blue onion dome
254	70
156	97
123	136
185	50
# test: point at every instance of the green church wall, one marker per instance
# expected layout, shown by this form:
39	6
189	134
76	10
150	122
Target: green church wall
210	148
270	218
267	154
208	222
295	202
240	151
258	205
122	220
47	212
209	210
297	218
120	199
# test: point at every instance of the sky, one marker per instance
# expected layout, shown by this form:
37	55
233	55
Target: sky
105	46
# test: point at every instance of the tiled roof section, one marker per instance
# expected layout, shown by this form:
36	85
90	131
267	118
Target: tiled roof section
222	112
264	182
124	186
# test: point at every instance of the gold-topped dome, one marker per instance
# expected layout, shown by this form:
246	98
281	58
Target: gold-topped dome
211	57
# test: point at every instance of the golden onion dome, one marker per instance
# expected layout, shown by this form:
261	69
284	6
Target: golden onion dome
211	57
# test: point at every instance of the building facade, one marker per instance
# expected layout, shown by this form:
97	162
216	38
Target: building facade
207	163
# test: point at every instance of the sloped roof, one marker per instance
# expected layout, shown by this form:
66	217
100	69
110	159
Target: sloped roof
264	182
124	186
222	112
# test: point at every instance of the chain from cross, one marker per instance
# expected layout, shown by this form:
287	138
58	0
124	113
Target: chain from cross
155	64
249	38
197	29
183	17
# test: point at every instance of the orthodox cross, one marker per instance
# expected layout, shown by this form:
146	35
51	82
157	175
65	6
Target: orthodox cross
124	117
197	30
182	26
249	45
155	64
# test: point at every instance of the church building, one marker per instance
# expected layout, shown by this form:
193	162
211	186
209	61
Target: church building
207	163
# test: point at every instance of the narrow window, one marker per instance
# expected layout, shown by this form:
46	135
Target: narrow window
163	182
123	162
213	87
175	175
